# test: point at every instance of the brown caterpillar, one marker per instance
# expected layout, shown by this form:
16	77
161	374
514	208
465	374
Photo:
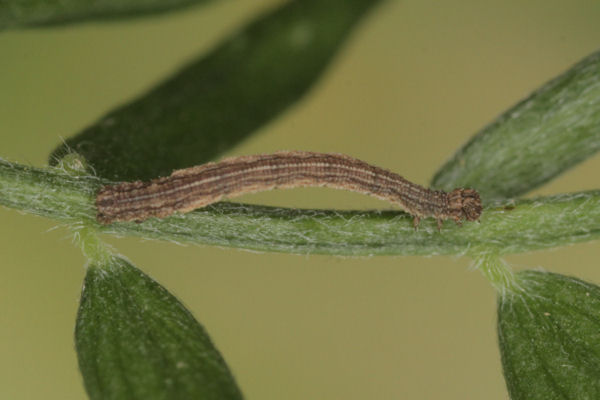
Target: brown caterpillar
187	189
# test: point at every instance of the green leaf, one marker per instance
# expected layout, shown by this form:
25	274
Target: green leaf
136	341
19	13
217	101
550	338
508	227
555	128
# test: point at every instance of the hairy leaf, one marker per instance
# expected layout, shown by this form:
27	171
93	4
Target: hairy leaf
549	334
220	99
136	341
555	128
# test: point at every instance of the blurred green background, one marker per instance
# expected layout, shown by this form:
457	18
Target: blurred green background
415	80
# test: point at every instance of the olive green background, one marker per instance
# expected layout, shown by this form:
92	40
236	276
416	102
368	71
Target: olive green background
415	80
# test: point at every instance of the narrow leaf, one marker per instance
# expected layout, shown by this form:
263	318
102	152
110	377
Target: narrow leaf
136	341
19	13
217	101
550	338
555	128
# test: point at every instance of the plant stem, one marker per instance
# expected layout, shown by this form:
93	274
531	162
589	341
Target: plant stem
508	227
498	272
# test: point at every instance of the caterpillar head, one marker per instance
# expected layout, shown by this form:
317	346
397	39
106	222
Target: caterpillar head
464	204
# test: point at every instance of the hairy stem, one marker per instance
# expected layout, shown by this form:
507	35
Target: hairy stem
507	227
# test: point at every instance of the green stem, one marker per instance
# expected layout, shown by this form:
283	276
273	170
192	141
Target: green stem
498	272
53	192
508	227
